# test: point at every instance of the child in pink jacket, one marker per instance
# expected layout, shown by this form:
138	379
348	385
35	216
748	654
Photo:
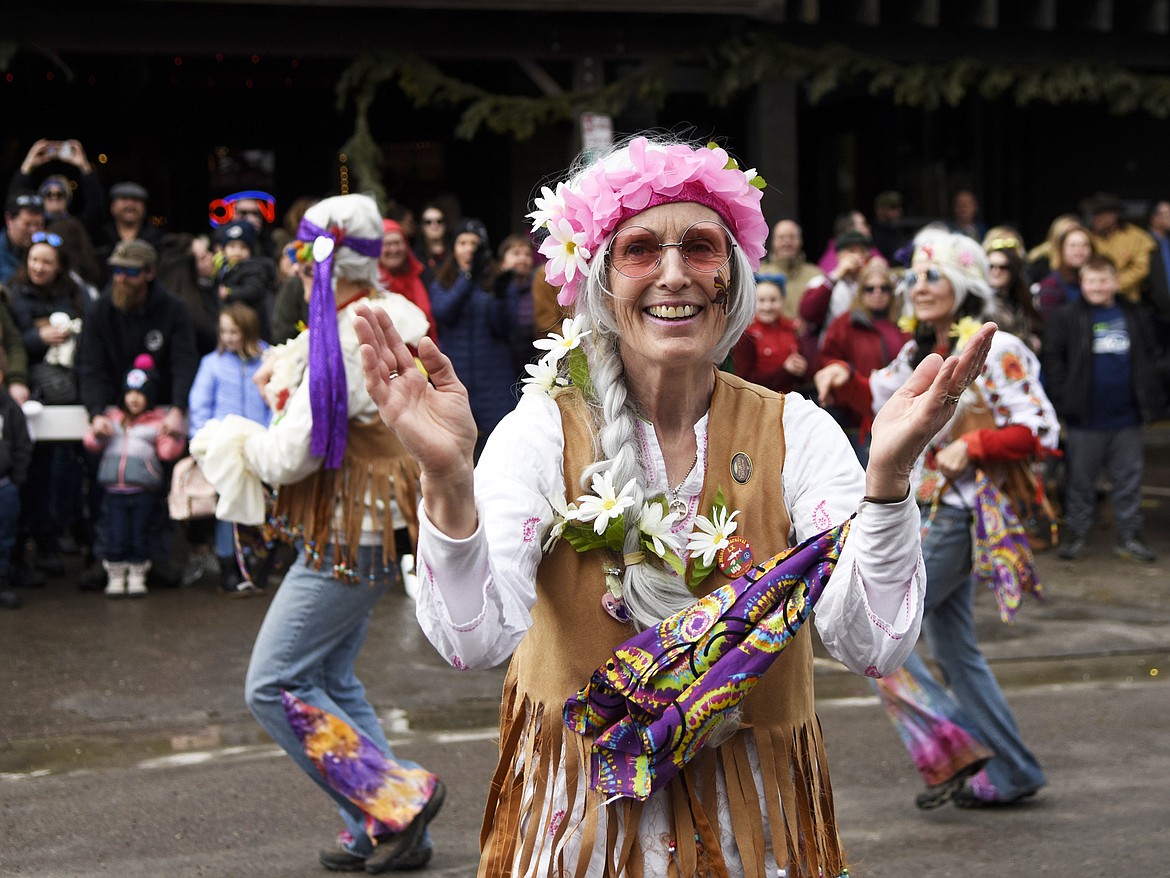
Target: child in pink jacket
131	472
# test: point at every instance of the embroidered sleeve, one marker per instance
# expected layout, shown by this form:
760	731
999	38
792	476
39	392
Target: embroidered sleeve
870	612
476	593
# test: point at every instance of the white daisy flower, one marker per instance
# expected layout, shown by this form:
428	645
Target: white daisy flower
655	525
542	377
711	535
605	503
563	513
566	250
548	204
559	344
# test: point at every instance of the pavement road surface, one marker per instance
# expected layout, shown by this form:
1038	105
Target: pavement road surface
126	749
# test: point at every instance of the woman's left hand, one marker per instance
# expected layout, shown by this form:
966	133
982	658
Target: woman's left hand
917	411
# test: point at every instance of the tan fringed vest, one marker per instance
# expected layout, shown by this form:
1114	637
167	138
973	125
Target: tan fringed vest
572	635
328	506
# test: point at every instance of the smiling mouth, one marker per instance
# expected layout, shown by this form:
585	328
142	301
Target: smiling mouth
673	312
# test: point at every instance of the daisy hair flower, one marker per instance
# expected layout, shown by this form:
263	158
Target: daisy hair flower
563	514
656	525
543	376
606	503
559	344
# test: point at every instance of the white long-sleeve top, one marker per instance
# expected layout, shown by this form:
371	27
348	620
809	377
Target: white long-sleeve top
477	592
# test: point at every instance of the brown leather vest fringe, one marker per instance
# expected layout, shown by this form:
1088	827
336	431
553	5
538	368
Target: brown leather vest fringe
330	504
571	635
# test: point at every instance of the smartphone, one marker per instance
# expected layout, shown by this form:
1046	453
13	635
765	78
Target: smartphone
51	149
64	151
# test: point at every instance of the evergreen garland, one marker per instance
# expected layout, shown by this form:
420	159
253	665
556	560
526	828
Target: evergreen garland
734	66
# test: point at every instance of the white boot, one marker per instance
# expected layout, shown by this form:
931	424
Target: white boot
116	578
136	579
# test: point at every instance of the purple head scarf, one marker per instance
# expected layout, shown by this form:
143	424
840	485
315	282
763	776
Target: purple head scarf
328	393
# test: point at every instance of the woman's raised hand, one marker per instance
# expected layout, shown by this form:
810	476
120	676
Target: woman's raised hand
917	411
432	418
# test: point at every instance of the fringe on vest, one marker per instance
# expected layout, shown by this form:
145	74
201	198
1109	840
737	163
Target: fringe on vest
329	506
797	797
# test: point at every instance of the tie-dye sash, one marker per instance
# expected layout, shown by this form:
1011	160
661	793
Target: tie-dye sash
667	690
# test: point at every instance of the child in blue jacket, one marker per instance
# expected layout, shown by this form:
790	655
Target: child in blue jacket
223	386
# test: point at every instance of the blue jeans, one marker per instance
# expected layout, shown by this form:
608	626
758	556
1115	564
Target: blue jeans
128	520
308	643
225	539
978	704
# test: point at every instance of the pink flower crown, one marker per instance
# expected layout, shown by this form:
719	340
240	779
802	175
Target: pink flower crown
585	209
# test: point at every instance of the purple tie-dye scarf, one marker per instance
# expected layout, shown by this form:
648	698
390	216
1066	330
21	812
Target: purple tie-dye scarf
668	689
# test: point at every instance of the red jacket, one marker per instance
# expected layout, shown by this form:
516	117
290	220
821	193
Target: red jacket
862	342
760	353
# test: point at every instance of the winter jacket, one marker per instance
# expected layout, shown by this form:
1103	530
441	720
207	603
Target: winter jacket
223	386
760	353
474	331
862	342
110	340
15	445
253	282
31	309
1066	359
13	357
132	457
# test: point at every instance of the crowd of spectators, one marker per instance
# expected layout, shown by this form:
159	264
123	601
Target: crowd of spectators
1105	355
90	282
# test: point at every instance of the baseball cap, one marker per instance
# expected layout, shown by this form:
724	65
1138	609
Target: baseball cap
129	190
133	254
852	238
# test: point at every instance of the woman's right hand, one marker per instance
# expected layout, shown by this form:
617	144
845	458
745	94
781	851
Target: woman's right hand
432	418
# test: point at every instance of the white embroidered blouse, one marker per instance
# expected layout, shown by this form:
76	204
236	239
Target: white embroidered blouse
477	592
1009	385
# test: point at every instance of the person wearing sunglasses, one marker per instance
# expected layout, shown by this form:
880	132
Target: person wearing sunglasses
1015	311
571	535
70	189
24	214
433	239
866	337
47	307
949	293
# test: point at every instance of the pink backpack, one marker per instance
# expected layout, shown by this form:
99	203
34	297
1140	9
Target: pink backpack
191	495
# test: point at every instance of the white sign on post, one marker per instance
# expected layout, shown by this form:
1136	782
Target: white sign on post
596	133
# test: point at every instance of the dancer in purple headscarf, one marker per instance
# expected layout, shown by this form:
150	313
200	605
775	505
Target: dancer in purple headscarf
344	484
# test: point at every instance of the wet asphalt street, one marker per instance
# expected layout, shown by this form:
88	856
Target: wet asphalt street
126	748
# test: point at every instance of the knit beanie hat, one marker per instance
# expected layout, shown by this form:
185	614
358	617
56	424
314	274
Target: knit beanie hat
239	230
143	378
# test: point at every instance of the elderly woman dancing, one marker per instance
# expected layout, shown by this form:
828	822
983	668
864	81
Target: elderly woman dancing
641	486
1004	417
